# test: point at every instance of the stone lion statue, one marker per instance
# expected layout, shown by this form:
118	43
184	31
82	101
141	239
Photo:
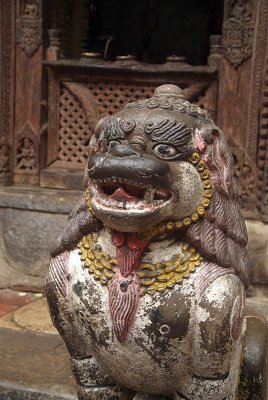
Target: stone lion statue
147	283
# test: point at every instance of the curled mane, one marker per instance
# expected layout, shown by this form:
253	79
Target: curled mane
81	221
221	236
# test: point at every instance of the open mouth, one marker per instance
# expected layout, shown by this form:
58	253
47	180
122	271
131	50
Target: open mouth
117	192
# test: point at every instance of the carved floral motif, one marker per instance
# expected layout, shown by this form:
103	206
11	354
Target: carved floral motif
29	26
26	160
238	30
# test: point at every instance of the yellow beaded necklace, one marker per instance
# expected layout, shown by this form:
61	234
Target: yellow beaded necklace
153	277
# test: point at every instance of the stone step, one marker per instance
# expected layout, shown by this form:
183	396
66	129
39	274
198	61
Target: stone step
34	363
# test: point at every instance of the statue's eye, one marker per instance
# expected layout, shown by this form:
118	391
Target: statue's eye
112	143
165	151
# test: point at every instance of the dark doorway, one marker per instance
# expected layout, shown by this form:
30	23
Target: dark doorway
152	30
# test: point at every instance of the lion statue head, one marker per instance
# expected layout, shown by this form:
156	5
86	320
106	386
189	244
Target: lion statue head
161	167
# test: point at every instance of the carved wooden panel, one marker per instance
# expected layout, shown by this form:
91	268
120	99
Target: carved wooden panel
111	97
73	128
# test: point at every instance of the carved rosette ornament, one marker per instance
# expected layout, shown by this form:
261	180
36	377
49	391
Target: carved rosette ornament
146	284
238	30
26	151
29	25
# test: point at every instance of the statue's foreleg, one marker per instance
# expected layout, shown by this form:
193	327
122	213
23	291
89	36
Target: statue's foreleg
217	342
92	384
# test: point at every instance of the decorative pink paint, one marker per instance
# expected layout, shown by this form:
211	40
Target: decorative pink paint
124	288
200	142
124	299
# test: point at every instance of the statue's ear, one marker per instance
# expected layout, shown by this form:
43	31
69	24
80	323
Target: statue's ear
95	139
211	143
93	145
101	126
205	136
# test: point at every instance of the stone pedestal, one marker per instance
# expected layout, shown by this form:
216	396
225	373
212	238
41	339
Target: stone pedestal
30	220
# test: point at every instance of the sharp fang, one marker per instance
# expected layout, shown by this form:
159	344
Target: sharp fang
149	195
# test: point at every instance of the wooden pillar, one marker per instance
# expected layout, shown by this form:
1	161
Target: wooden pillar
7	19
260	105
28	90
241	89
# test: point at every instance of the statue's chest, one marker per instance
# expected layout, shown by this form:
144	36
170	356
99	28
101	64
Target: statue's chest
161	317
162	330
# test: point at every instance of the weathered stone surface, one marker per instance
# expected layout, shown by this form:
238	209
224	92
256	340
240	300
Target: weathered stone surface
61	178
258	256
36	199
26	317
34	366
253	378
30	220
259	305
26	237
19	392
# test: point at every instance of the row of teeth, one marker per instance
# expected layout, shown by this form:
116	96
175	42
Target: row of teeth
116	179
126	205
149	194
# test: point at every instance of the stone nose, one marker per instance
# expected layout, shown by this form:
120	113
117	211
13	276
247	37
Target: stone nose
124	150
126	162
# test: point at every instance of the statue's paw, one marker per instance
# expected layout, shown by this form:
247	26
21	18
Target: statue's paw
104	393
98	393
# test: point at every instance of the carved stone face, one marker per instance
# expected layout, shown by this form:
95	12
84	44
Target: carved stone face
141	174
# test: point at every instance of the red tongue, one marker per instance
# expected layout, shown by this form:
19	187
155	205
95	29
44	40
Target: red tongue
121	194
129	249
124	288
